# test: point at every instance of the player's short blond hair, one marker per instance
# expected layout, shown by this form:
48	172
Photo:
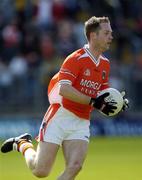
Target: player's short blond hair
93	25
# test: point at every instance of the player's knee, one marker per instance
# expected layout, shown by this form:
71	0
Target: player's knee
74	168
41	173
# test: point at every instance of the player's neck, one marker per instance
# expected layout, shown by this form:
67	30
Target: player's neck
95	52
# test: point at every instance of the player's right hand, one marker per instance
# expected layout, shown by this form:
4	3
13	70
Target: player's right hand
100	104
125	101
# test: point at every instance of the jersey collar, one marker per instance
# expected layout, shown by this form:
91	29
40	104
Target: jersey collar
96	61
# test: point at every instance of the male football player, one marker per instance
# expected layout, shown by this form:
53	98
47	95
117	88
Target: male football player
72	95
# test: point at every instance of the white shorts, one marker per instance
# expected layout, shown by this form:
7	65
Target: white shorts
60	124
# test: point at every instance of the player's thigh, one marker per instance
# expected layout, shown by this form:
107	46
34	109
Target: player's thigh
75	151
46	154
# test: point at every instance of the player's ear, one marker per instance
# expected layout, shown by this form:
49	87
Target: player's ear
93	35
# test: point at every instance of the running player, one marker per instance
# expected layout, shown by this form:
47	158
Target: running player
72	95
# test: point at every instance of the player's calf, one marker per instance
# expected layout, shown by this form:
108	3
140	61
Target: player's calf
71	172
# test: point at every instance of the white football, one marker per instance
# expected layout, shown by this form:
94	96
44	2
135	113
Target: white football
115	96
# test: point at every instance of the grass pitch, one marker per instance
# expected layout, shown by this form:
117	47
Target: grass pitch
108	159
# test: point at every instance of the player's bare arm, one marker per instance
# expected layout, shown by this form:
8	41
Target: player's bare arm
73	94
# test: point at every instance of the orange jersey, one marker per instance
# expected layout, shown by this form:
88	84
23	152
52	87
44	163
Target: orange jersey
83	72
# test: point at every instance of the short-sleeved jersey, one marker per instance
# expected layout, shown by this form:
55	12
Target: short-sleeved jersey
84	73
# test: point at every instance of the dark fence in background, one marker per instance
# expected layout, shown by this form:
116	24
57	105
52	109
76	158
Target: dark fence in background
36	36
29	96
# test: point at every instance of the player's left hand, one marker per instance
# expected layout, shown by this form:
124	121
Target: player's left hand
125	101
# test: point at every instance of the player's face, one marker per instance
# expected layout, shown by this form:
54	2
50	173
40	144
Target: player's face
103	37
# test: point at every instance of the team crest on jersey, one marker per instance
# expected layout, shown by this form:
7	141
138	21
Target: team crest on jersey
87	72
103	74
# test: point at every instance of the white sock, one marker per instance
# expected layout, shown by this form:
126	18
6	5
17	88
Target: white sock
23	146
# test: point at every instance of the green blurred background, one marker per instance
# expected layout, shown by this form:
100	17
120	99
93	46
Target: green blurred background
108	159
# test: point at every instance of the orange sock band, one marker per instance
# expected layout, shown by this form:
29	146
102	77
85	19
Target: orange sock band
27	146
23	146
20	143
